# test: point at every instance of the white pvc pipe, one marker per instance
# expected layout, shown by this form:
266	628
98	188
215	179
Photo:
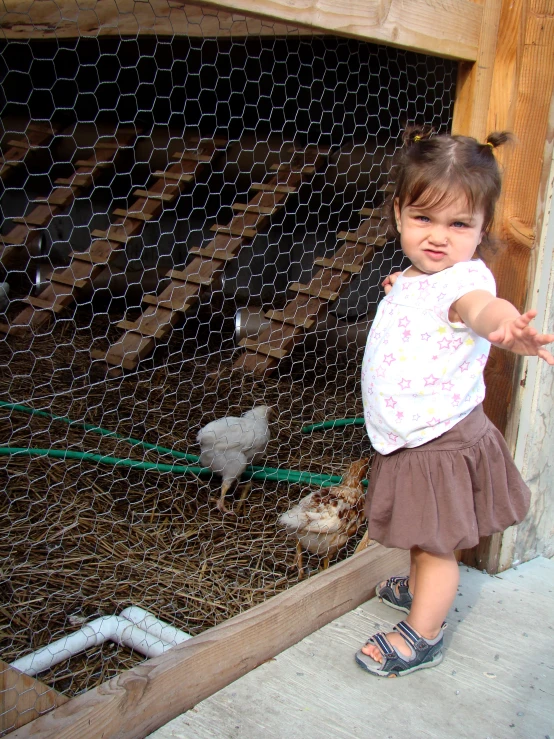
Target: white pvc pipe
155	626
154	638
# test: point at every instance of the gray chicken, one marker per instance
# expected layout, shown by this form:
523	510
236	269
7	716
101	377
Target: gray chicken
229	444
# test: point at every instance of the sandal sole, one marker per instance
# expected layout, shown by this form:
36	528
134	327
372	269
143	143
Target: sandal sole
389	603
361	657
393	605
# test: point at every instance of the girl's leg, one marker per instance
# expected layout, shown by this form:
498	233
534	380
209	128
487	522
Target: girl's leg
434	593
413	568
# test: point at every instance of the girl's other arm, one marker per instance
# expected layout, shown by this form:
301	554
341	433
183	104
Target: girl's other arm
502	324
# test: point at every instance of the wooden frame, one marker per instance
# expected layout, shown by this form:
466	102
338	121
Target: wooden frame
22	19
140	700
506	81
449	28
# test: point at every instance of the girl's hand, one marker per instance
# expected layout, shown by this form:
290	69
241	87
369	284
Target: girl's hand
389	281
519	337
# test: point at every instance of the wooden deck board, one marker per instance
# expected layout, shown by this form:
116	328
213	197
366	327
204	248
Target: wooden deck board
496	679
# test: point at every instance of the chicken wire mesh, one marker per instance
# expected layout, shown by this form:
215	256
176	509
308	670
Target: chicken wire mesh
165	202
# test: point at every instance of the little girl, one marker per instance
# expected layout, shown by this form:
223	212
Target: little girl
442	475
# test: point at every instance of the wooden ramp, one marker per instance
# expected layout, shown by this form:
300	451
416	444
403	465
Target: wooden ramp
207	264
86	171
20	145
287	327
66	282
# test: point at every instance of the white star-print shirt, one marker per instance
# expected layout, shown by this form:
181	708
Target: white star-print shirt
421	373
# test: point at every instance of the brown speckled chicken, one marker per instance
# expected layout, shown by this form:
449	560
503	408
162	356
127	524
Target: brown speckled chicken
324	520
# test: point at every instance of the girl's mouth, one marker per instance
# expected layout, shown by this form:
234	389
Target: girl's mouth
435	255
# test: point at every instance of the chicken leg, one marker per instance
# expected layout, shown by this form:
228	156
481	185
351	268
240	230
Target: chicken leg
364	542
221	502
298	561
245	490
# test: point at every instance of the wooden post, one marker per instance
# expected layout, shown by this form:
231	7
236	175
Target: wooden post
519	93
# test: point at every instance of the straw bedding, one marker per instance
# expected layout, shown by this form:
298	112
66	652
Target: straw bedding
81	540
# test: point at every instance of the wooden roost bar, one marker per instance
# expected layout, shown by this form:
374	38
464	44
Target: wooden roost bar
505	50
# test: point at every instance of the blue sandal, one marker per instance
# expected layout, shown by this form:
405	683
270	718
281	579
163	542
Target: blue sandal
395	593
424	653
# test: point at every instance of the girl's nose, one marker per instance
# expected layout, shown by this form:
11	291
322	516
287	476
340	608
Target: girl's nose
438	235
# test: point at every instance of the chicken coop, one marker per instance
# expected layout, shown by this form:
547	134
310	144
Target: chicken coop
194	227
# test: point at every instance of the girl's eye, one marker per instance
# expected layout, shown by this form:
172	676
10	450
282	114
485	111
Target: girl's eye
459	224
422	219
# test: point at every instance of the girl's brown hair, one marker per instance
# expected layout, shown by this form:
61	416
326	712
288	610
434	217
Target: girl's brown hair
432	170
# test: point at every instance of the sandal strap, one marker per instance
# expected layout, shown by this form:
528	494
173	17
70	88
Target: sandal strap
398	580
415	640
384	645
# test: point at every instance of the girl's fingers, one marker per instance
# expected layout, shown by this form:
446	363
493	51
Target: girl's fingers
522	338
546	355
391	279
523	321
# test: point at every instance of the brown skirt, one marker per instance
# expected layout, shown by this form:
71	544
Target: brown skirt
445	494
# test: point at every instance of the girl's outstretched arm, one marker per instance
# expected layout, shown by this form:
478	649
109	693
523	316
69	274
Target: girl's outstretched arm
502	324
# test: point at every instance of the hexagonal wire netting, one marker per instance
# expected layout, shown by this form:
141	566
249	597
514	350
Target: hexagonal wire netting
160	198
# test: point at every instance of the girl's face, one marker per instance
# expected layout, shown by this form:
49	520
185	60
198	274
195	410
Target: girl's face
436	238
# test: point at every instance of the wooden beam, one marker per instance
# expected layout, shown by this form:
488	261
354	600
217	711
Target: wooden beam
448	29
315	291
67	19
475	79
140	700
292	320
338	264
23	698
267	187
524	66
264	348
151	195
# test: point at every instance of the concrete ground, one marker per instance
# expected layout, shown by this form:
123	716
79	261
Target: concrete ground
496	680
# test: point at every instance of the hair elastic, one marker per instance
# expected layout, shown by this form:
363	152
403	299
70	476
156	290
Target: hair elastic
488	143
417	138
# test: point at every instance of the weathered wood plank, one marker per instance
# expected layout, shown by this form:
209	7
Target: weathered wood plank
475	80
22	19
23	698
142	699
448	29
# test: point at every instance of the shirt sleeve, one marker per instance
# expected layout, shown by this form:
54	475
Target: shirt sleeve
463	278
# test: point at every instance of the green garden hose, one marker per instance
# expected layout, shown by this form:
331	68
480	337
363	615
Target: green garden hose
253	472
335	423
99	430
